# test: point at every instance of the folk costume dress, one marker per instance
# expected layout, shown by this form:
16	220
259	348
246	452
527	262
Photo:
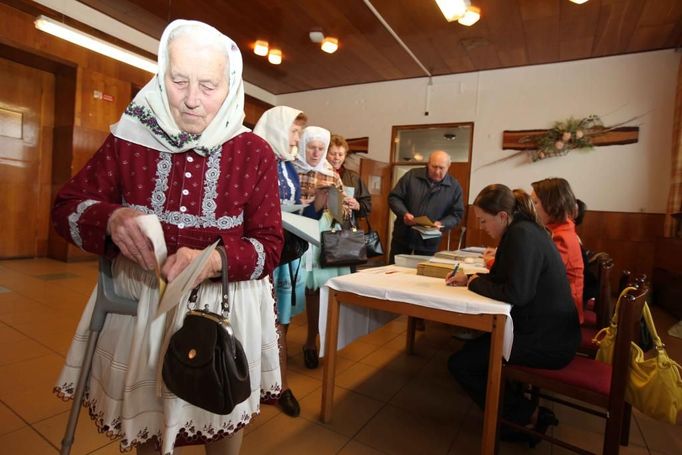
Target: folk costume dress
274	126
221	185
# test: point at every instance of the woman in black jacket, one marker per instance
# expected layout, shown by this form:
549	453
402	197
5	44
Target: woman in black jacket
529	274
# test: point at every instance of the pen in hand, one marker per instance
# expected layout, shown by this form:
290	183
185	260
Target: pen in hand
451	280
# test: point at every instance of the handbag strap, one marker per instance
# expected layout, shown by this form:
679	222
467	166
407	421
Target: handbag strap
225	297
369	226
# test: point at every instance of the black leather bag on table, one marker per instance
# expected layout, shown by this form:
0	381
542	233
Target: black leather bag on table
205	363
294	247
342	247
373	242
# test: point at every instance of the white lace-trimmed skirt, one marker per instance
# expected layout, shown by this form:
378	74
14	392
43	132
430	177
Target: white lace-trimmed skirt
122	392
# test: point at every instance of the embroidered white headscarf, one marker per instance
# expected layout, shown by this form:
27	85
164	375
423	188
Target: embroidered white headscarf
148	121
314	133
274	126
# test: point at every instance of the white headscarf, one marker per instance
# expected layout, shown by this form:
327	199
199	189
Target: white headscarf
274	126
148	121
314	133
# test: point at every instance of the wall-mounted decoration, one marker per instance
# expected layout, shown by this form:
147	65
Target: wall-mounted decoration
568	135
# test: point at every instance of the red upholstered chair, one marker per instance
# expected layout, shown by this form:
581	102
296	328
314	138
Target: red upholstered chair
600	314
599	385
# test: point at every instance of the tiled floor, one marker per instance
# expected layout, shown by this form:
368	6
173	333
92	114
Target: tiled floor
386	402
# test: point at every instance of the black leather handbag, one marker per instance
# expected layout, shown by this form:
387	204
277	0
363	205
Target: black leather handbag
205	363
294	247
342	247
373	242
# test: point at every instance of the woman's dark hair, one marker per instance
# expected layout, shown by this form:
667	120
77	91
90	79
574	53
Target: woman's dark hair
580	208
499	198
557	198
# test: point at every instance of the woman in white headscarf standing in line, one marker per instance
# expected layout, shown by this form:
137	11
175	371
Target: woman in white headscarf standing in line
281	126
179	152
317	175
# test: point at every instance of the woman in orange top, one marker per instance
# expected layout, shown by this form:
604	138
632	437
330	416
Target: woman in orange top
556	207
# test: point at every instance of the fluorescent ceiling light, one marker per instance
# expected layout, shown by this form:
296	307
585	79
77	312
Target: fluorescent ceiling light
453	9
261	48
275	56
329	45
100	46
471	16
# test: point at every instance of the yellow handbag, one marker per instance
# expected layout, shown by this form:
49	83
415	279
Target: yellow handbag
654	386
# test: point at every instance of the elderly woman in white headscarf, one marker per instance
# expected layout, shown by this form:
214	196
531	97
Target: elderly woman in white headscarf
317	175
281	126
180	153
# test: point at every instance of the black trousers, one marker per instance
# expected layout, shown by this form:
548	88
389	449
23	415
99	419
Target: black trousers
400	248
469	366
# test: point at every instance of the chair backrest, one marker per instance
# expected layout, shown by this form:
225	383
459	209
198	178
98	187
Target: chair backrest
603	304
629	314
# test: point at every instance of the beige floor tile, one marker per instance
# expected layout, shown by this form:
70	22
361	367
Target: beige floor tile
297	365
9	421
432	399
87	439
660	437
267	413
397	361
113	448
30	374
22	350
286	436
357	350
350	413
301	384
10	335
355	448
381	336
26	441
396	431
381	384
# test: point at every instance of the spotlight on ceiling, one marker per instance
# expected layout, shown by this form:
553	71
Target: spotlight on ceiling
275	56
261	48
330	45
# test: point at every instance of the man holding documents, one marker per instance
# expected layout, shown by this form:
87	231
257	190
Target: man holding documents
426	201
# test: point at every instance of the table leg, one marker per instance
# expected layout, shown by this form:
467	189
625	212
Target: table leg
411	328
329	371
493	388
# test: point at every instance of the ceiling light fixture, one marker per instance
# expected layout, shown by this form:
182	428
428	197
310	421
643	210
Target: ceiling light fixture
330	45
275	56
261	48
316	35
460	11
471	16
100	46
579	2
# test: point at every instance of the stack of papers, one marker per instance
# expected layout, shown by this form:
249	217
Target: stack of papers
427	232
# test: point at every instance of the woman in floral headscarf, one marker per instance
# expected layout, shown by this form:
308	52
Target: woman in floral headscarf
317	175
281	126
179	152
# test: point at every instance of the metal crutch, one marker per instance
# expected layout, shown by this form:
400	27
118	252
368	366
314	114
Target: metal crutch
107	302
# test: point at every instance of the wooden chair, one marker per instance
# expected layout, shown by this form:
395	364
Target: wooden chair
599	315
597	384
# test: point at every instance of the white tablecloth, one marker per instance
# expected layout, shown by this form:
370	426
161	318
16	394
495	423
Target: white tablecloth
402	284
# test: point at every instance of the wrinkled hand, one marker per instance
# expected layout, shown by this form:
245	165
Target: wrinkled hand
458	279
408	219
129	238
179	261
351	203
321	195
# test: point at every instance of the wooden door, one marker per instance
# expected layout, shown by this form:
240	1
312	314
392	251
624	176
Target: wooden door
26	122
377	177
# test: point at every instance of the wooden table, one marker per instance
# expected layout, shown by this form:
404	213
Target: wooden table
488	322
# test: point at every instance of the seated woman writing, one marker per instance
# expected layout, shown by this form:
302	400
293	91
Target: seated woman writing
529	274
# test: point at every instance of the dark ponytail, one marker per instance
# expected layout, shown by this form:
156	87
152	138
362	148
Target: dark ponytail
497	198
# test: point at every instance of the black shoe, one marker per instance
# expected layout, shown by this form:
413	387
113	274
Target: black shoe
546	418
310	358
289	404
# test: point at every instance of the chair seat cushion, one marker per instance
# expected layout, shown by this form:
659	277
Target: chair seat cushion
589	318
582	372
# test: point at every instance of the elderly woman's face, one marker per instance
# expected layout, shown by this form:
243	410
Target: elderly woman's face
336	156
196	83
314	152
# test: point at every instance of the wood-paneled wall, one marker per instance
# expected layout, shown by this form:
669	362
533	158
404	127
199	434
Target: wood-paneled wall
82	117
629	238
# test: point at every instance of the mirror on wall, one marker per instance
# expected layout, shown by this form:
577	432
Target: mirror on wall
413	144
